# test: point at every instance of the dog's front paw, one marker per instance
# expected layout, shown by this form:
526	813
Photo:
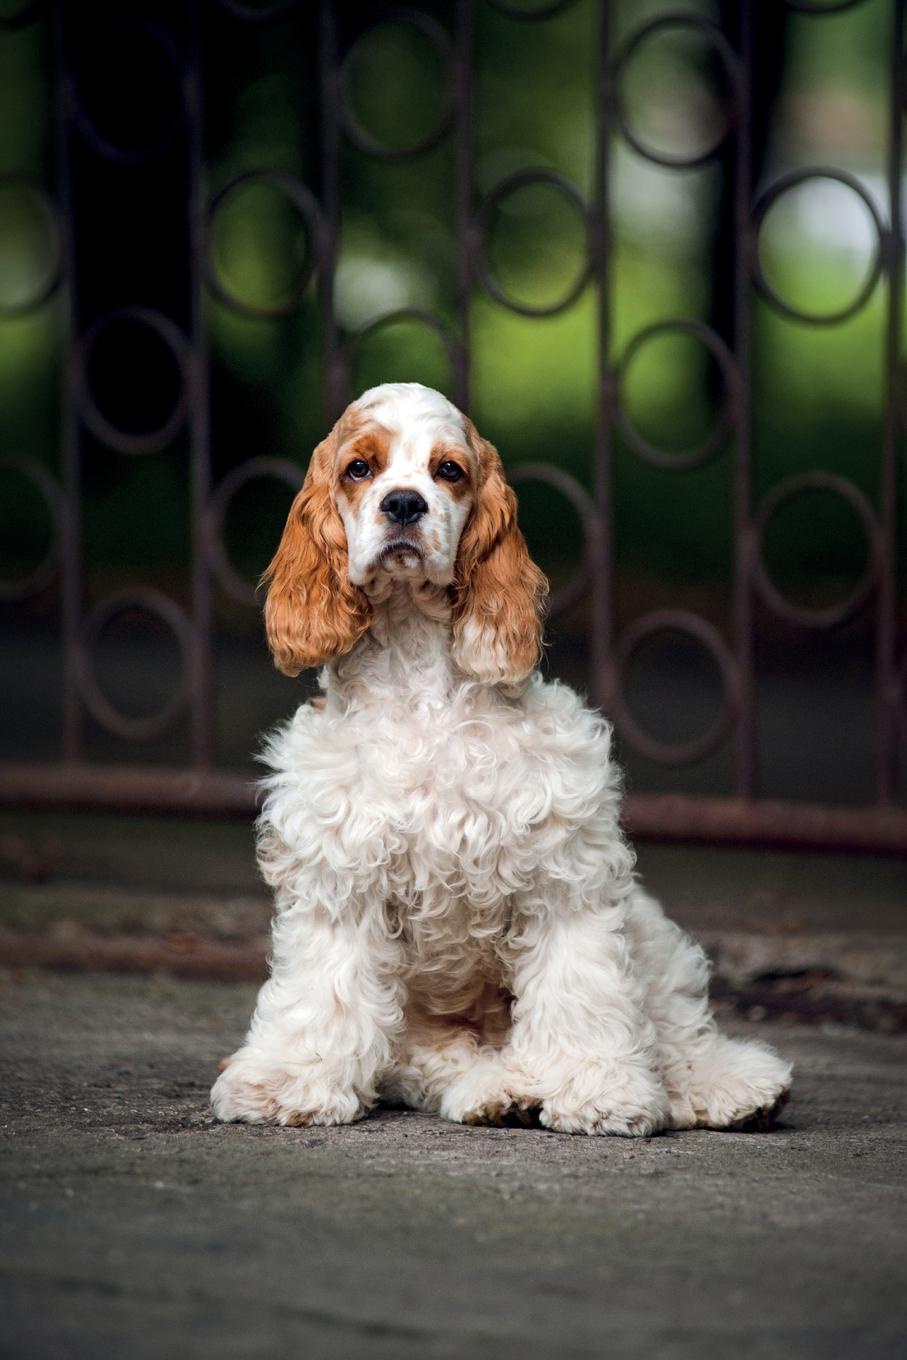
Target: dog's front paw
254	1088
736	1084
488	1094
607	1097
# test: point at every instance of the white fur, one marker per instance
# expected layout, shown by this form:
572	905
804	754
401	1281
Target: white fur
457	925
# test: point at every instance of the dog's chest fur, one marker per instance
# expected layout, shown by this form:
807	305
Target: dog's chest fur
450	803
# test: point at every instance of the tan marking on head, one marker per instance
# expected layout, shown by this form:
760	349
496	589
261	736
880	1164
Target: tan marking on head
372	444
455	453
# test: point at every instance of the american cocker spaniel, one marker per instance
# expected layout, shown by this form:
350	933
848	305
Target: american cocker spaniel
457	924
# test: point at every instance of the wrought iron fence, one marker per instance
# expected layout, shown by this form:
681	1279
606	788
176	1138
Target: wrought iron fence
177	38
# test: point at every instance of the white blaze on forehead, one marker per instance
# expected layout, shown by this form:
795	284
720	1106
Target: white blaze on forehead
418	416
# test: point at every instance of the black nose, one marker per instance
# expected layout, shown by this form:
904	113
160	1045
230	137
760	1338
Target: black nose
403	507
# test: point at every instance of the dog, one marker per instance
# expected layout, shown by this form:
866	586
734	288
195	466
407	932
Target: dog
457	924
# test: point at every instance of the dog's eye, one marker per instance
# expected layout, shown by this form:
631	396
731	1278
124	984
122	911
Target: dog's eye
358	469
450	471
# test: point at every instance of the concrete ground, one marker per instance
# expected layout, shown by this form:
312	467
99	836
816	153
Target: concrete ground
132	1225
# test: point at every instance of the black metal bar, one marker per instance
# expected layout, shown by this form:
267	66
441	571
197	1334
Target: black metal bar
70	471
198	401
888	690
462	82
744	538
601	547
335	377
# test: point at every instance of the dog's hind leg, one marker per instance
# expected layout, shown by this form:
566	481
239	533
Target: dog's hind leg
431	1054
712	1081
452	1065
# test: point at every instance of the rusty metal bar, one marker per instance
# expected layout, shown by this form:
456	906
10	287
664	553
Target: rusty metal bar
335	374
888	695
671	817
462	83
600	547
743	477
198	410
127	788
741	821
70	468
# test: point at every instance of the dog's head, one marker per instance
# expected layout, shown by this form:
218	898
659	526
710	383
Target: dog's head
405	487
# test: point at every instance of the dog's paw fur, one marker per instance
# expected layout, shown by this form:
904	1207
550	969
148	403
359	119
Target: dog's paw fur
601	1097
254	1090
733	1084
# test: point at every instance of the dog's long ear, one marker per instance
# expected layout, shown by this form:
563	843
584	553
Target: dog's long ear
499	591
313	613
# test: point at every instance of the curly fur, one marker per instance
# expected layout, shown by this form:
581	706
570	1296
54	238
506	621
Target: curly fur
313	612
458	927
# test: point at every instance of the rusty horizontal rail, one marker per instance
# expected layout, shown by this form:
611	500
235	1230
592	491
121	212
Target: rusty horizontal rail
663	817
128	788
761	821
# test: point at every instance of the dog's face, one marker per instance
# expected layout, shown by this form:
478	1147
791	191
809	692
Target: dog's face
405	479
405	487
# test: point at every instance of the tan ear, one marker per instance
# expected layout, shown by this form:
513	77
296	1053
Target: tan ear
499	591
313	613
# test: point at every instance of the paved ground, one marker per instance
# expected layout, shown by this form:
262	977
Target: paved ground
133	1226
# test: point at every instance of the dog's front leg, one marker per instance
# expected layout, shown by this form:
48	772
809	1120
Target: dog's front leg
580	1033
324	1023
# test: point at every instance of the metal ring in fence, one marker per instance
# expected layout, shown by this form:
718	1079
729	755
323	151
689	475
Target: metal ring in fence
517	11
729	61
521	180
700	453
809	7
126	441
256	14
115	151
694	626
573	491
280	469
760	211
49	489
805	615
307	206
416	314
51	281
159	606
360	136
